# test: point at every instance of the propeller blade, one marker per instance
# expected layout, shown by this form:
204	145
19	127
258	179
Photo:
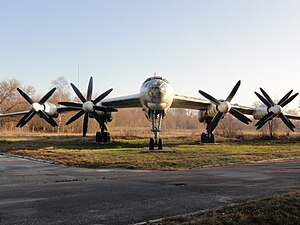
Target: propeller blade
263	120
78	93
105	109
285	97
241	117
233	92
85	123
71	104
289	100
28	99
47	96
102	96
214	122
90	90
25	118
267	96
46	117
265	101
99	120
287	122
28	119
209	97
75	117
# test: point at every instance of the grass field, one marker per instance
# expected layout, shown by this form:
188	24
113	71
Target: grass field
131	153
275	210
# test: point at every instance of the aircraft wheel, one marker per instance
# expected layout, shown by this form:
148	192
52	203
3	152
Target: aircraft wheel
204	138
98	137
160	144
105	137
108	137
211	138
151	146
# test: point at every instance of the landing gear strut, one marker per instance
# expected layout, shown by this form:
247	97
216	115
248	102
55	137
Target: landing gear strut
156	118
207	137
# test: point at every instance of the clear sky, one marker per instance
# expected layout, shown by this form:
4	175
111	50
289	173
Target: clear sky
207	45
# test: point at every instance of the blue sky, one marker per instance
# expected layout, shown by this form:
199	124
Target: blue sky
207	45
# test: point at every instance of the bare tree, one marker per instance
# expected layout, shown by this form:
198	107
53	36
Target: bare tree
62	92
229	126
9	96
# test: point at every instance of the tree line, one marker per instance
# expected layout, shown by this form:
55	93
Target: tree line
11	101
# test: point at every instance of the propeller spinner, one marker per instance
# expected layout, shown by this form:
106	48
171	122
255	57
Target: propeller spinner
36	108
88	107
275	109
224	106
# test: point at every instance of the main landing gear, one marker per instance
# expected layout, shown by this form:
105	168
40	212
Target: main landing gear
156	118
208	137
103	136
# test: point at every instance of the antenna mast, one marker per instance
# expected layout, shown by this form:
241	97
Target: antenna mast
78	72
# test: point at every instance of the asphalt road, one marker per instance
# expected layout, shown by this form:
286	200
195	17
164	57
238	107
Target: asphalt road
41	193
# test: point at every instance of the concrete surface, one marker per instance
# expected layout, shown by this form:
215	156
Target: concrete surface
33	192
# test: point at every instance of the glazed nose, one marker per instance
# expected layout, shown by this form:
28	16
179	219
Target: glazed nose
157	92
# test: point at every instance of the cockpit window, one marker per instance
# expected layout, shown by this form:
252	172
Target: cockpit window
157	78
165	80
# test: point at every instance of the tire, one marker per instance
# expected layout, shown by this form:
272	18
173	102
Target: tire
108	137
204	138
105	137
151	146
211	138
98	137
160	144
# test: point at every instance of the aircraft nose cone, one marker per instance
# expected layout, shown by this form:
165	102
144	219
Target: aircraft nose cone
157	91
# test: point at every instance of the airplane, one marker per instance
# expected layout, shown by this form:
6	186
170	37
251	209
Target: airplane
156	96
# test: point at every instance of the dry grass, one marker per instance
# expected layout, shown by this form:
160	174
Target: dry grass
130	153
275	210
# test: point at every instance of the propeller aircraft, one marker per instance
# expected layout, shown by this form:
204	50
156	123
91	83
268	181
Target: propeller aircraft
156	96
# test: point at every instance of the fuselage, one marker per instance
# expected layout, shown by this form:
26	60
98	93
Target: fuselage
156	94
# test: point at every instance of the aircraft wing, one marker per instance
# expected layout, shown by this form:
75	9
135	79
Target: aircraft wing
129	101
61	109
14	113
180	101
292	117
185	102
243	109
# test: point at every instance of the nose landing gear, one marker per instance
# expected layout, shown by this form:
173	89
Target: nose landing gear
156	118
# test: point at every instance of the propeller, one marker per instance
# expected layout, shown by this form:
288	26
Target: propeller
88	107
275	109
36	108
223	107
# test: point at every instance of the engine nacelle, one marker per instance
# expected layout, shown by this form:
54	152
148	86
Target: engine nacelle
211	111
260	112
202	114
106	116
51	109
